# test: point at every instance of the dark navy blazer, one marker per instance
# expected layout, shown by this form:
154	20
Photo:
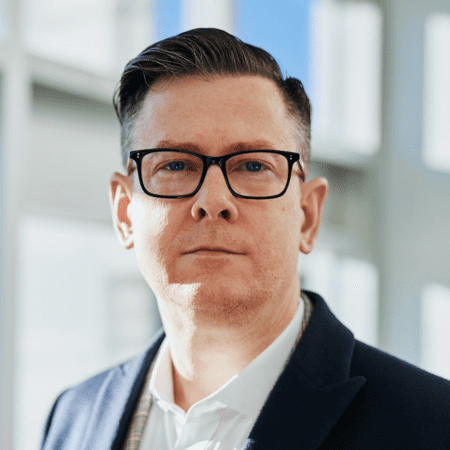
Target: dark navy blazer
335	393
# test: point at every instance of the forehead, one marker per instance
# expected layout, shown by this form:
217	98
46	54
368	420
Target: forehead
215	113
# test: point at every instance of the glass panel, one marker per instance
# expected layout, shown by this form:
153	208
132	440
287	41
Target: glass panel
167	14
80	32
83	307
436	147
349	286
359	302
281	28
435	330
346	49
207	14
4	19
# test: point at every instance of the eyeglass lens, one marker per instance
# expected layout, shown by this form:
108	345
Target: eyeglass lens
173	173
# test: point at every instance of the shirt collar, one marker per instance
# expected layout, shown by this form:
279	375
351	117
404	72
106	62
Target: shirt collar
247	391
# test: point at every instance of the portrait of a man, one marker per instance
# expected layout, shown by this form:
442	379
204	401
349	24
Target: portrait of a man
216	202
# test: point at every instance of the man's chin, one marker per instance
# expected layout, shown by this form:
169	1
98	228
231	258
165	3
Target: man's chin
221	296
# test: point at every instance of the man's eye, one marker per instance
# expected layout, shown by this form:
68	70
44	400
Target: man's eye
254	166
175	166
251	167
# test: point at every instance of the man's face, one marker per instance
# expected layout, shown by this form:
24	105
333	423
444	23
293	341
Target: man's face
215	117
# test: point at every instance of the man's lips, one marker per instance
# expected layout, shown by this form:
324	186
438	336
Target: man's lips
213	250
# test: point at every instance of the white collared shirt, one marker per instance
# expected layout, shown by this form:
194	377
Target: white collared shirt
224	419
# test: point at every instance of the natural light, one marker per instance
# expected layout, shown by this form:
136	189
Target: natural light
436	139
435	315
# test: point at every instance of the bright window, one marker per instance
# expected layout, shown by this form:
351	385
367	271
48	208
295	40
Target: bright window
83	307
80	32
281	28
167	15
4	19
346	61
436	142
349	286
435	330
206	14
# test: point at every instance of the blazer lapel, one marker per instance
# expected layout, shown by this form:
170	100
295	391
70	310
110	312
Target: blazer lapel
116	400
313	391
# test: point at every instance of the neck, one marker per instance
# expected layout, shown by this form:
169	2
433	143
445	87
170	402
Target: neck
206	354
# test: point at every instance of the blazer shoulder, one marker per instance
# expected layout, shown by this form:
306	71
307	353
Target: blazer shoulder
73	409
381	367
402	395
81	395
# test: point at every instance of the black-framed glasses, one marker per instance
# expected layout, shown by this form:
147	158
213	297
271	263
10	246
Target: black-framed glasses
251	174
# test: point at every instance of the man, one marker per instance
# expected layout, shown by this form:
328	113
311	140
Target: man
216	206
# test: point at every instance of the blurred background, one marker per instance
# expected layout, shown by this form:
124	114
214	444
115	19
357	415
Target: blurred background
73	301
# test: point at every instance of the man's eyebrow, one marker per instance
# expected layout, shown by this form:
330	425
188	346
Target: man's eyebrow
259	144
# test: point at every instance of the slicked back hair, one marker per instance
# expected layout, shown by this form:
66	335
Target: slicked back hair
205	52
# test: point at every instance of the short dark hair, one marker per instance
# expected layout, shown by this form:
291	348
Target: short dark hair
205	52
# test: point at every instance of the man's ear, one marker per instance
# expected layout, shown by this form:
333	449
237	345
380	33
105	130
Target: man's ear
313	196
120	196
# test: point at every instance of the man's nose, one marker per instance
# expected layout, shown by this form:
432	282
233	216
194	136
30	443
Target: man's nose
214	199
214	182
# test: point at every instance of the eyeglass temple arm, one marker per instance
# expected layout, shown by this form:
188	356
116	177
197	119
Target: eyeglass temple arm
302	167
131	166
